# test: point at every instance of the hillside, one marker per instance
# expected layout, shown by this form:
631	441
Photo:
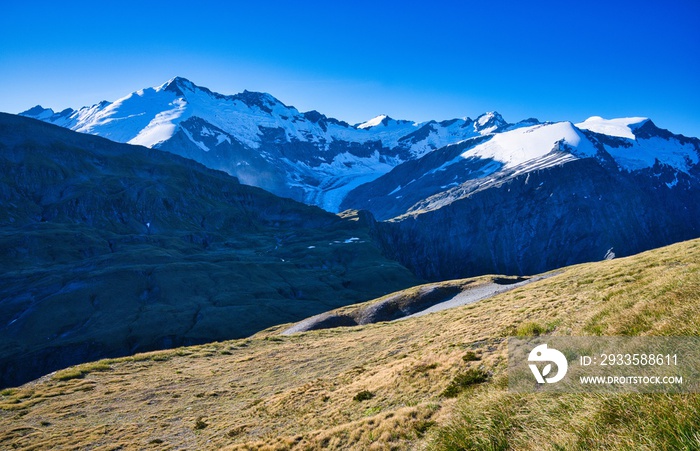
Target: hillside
393	385
108	249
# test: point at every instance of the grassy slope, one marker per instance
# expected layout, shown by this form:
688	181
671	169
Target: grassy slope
272	392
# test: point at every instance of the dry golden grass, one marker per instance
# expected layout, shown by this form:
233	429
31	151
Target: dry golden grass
285	392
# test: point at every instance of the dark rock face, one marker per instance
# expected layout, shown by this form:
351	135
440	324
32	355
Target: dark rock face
108	249
546	219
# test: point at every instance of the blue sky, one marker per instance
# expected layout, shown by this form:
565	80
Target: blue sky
553	60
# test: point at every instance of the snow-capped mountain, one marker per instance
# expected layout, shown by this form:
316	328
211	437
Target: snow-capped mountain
455	171
305	156
536	197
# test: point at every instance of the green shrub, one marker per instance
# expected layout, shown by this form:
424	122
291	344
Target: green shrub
424	367
364	395
465	380
530	329
470	356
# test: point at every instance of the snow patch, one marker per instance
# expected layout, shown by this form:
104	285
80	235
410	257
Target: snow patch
201	145
515	147
221	138
621	127
485	118
373	122
645	152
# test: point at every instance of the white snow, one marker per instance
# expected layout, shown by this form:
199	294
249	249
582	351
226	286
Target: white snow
221	138
515	147
641	153
162	127
373	122
396	190
153	115
483	119
199	144
337	178
644	152
621	127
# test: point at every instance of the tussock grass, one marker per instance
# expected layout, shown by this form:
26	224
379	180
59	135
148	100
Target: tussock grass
364	395
497	420
296	392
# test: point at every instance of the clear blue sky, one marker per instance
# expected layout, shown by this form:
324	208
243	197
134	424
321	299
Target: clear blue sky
553	60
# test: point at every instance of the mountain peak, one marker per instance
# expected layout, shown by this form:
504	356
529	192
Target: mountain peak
37	111
489	122
264	101
178	85
46	114
620	127
382	119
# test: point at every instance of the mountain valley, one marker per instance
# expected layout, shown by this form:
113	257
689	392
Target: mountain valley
389	385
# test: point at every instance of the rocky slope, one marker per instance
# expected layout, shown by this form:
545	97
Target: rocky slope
108	249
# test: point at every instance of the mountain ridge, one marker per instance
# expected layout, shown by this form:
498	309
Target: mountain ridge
311	157
320	160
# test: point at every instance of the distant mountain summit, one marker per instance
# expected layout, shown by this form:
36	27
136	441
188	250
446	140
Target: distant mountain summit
456	171
532	198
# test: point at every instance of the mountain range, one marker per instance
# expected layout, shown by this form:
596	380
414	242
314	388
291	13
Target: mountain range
455	198
263	142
